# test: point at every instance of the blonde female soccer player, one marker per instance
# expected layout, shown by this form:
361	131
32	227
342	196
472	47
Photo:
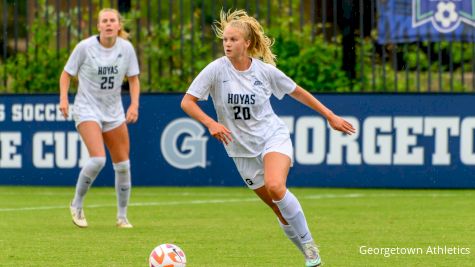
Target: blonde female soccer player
240	84
101	62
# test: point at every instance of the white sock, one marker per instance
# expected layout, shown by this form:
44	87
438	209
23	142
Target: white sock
292	212
290	233
86	177
122	187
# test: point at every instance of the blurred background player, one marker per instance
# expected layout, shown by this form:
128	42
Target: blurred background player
101	62
257	140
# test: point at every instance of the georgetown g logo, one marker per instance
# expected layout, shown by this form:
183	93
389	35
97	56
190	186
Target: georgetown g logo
192	152
444	15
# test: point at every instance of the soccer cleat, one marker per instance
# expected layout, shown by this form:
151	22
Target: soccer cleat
123	223
313	263
78	217
312	258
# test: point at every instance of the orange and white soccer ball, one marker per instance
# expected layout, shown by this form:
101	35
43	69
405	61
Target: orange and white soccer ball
167	255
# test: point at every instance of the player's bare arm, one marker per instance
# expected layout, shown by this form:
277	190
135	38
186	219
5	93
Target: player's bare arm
133	110
64	82
217	130
335	121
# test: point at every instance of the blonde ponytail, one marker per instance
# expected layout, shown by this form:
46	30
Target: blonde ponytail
260	46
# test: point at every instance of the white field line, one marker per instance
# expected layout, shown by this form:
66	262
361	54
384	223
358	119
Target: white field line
235	200
382	195
111	192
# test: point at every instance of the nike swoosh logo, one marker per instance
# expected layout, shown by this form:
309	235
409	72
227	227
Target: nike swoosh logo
225	81
303	236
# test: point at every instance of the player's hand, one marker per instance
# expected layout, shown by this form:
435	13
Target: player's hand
339	124
132	114
220	132
64	107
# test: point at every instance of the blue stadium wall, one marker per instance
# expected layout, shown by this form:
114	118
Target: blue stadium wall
403	141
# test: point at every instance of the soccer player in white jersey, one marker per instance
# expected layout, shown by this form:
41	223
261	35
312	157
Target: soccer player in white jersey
259	142
101	62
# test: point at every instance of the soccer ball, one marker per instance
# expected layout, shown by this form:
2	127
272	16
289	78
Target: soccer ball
167	255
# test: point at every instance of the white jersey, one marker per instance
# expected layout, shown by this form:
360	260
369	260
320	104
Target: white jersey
101	71
242	102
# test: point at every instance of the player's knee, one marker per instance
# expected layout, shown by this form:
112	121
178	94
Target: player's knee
98	162
93	166
122	170
122	166
276	189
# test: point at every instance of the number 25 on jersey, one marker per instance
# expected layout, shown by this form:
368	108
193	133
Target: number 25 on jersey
107	82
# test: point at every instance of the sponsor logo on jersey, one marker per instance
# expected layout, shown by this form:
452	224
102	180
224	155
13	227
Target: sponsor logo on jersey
257	82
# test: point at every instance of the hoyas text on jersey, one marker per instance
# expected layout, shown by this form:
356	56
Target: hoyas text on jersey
107	70
241	99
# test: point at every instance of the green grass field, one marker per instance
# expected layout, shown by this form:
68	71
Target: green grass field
223	227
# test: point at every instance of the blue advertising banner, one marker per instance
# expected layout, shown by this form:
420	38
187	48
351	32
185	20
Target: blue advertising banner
426	20
402	141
